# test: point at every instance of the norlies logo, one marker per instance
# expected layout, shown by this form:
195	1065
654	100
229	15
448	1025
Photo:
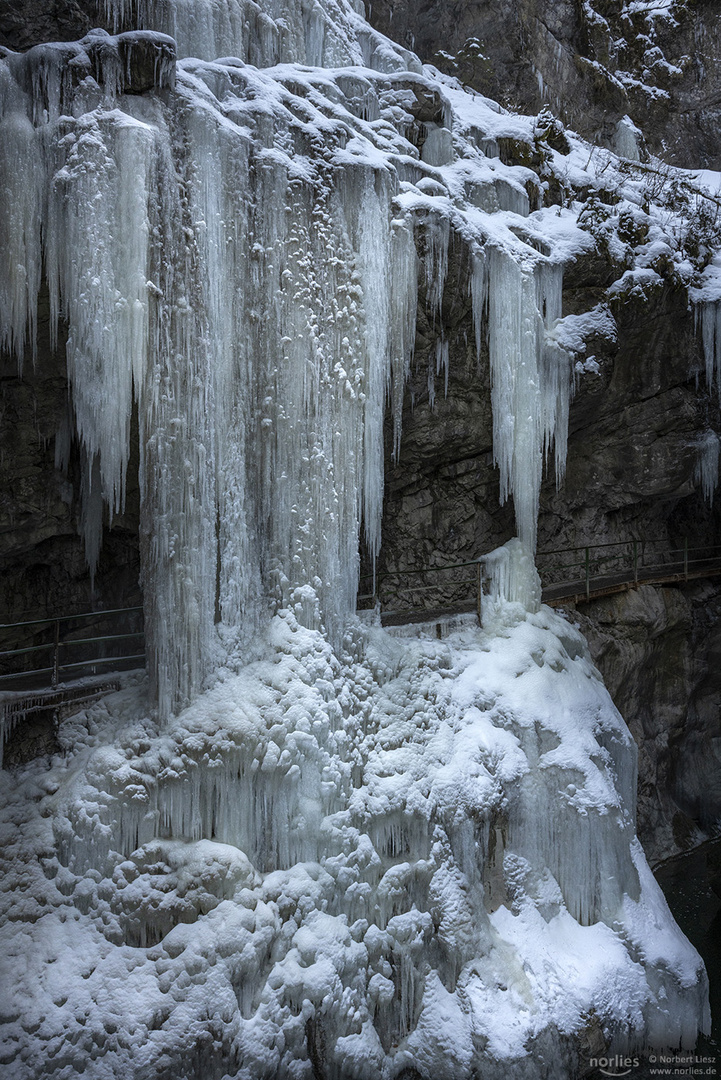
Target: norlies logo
615	1066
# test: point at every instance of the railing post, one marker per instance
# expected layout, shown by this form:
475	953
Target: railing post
56	654
635	562
588	575
480	593
685	557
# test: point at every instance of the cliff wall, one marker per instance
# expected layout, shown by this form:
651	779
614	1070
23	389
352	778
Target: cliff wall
595	62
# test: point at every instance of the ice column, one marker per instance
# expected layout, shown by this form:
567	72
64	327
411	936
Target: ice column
708	312
96	255
22	180
513	576
530	385
388	272
176	410
404	300
299	299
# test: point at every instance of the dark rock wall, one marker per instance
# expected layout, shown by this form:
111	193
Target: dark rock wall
593	63
24	23
45	572
659	651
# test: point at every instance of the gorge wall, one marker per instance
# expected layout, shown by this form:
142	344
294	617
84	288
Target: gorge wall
595	62
632	473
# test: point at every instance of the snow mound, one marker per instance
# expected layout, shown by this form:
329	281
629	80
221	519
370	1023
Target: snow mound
410	852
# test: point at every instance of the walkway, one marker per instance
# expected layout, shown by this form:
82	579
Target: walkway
61	654
568	576
64	663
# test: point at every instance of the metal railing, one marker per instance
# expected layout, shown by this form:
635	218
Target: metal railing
573	574
454	588
598	569
67	650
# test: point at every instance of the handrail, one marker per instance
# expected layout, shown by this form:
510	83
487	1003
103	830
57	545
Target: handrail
69	618
72	641
600	571
122	646
422	570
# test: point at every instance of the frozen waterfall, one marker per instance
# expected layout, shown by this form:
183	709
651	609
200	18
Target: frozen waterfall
229	259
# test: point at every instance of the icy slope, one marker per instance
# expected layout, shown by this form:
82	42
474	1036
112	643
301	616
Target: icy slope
415	852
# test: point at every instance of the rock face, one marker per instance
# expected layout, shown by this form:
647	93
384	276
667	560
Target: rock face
25	24
594	63
658	651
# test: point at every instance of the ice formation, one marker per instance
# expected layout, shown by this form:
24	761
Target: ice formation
512	576
318	849
707	465
185	236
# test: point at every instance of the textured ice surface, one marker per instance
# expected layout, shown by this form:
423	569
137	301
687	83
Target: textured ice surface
707	465
328	34
411	850
236	253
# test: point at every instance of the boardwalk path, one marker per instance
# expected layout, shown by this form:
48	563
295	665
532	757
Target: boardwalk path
569	576
53	653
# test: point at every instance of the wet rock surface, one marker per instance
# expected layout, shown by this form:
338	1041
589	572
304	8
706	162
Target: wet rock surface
658	650
24	23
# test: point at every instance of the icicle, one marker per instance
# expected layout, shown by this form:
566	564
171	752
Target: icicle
710	318
97	271
436	231
479	297
514	334
377	272
707	464
530	384
442	362
404	300
555	369
177	474
91	511
22	214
